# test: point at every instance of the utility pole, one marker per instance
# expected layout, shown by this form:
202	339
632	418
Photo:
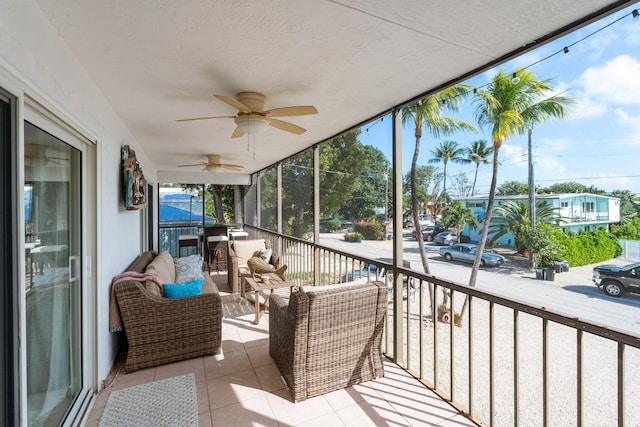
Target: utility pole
532	195
532	189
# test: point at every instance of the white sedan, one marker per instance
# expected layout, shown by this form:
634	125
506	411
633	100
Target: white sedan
466	252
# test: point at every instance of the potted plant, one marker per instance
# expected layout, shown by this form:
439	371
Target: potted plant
353	237
442	312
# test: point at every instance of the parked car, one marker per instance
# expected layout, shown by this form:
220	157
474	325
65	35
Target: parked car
449	238
615	280
428	232
466	252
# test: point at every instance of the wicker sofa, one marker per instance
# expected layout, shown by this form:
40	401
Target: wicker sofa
162	330
239	252
328	337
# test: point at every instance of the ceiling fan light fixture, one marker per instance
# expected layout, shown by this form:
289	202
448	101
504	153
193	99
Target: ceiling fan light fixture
251	124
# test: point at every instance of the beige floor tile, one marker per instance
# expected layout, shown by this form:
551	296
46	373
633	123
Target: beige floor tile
351	395
134	378
204	420
231	389
251	412
254	338
372	412
259	355
329	420
195	366
226	363
202	392
270	378
291	414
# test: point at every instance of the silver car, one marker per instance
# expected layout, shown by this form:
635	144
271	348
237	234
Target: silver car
467	253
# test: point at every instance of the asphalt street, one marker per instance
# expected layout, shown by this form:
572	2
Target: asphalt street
572	293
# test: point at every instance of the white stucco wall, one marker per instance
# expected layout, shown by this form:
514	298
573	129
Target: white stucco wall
34	62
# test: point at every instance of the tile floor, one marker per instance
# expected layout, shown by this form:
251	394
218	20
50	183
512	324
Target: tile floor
242	387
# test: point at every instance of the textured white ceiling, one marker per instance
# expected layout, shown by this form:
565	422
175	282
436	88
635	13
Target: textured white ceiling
161	60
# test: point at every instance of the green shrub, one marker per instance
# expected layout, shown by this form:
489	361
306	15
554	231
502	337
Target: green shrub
550	243
587	247
370	230
334	224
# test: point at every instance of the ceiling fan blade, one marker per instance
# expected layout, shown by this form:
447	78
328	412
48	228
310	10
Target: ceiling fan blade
237	133
197	164
286	126
234	103
301	110
206	118
231	167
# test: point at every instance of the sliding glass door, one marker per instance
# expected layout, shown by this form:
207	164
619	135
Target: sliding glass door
52	235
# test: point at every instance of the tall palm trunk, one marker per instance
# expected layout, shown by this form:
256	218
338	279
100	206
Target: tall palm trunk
414	207
485	228
475	178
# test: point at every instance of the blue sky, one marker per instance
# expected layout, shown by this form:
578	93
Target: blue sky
598	143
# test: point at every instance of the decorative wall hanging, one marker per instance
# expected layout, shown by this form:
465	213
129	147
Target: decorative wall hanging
135	185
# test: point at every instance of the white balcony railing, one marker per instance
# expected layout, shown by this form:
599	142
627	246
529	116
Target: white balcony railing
506	363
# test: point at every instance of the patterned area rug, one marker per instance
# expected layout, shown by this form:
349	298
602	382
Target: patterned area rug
235	307
169	402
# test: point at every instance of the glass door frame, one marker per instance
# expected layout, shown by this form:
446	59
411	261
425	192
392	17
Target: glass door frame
43	118
9	318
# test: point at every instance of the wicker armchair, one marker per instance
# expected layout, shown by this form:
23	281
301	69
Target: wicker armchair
329	338
163	330
239	251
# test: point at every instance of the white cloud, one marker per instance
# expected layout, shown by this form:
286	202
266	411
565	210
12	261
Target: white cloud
632	122
616	82
555	145
585	107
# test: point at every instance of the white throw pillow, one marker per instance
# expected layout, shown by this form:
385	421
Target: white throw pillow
188	268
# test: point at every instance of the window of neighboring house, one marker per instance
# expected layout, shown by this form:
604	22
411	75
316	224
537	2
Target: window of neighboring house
588	207
564	204
476	205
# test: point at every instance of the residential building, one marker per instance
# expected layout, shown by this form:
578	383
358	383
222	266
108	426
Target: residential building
577	211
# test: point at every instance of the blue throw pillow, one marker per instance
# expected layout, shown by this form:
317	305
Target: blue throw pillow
182	290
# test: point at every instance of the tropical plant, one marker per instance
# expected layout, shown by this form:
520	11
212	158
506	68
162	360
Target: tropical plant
508	107
478	152
428	113
447	151
545	244
458	216
513	217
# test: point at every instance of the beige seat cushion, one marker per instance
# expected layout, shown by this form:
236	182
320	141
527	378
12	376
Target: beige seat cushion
308	288
163	268
244	249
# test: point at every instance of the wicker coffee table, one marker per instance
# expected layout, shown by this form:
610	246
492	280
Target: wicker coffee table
258	285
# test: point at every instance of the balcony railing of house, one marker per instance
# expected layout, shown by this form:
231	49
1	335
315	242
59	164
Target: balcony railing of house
502	362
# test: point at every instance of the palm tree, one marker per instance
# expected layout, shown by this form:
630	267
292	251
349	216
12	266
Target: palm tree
478	152
513	217
509	107
457	216
428	113
447	151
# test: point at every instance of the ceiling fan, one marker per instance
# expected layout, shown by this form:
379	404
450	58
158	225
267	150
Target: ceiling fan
213	163
36	154
252	118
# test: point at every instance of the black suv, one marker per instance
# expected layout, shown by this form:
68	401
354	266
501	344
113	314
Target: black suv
616	280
